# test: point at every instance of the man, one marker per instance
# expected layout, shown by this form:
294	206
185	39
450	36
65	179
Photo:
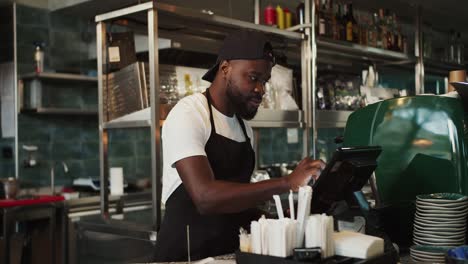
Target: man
208	155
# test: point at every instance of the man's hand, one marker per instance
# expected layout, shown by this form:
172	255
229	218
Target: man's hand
304	172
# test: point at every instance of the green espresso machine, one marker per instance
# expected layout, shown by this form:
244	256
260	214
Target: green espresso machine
423	151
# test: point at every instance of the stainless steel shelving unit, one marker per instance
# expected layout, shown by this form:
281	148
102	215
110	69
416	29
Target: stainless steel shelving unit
332	118
66	77
38	108
207	30
59	111
157	20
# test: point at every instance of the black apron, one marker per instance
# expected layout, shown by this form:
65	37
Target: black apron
210	235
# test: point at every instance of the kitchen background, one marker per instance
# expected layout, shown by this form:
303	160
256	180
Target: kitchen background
69	42
74	139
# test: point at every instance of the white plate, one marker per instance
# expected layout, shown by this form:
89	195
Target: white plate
429	250
424	258
442	198
439	242
451	212
440	216
425	205
429	223
431	259
442	202
419	258
445	232
441	220
436	235
440	230
424	254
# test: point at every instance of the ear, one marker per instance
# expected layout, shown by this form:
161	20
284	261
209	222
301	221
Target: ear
224	68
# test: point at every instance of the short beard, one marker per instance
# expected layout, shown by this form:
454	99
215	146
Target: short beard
240	103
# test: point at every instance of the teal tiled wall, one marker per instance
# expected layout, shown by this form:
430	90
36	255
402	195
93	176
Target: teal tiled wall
73	139
130	149
66	40
7	165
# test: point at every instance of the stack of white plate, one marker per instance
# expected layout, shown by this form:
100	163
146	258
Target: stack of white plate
431	254
440	220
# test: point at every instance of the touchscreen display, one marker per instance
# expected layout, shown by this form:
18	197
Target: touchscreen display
347	172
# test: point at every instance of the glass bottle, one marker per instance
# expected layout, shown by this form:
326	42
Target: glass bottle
451	47
363	25
343	21
279	17
460	52
335	22
351	25
330	15
396	34
372	32
322	19
389	34
382	40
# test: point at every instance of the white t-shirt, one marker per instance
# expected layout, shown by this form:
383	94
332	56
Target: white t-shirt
185	132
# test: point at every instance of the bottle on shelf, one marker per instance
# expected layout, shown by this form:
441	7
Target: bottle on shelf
322	23
279	17
372	32
459	48
396	34
269	16
400	39
287	18
351	25
335	22
38	57
389	34
356	27
343	22
339	22
382	38
363	25
404	45
330	15
451	49
427	43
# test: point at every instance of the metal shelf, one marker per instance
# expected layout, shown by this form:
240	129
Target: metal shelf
342	49
59	111
264	118
163	20
127	124
59	76
332	118
194	22
439	67
278	118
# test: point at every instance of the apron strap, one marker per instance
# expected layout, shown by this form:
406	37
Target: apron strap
241	122
208	98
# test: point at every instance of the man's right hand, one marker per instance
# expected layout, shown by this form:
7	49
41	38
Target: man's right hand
304	172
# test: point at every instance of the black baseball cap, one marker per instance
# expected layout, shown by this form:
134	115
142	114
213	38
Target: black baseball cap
242	45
